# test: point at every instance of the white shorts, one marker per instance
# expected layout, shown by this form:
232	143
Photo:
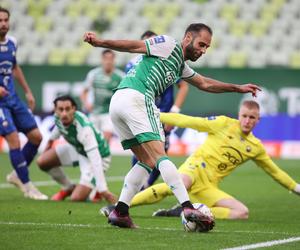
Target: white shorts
68	156
102	122
135	118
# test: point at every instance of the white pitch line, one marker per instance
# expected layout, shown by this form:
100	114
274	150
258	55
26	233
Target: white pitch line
53	183
265	244
142	228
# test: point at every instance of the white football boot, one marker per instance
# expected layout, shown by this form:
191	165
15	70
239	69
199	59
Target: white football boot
32	192
13	178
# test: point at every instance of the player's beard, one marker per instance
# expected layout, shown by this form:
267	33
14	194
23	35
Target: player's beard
190	52
3	32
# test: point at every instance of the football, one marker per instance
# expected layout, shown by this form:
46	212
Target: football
190	226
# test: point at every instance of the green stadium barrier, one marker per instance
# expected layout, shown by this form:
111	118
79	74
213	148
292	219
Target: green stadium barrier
282	88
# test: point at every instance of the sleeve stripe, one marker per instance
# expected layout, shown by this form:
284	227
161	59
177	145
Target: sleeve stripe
147	48
189	76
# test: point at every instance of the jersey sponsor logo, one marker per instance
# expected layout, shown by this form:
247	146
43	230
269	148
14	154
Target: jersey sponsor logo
159	39
6	67
210	118
233	155
170	77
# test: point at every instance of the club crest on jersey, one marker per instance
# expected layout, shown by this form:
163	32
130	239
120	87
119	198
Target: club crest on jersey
3	48
248	149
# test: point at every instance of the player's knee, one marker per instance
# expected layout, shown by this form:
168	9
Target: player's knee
41	163
38	139
77	198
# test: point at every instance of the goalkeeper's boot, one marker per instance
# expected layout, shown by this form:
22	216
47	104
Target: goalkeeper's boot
62	194
124	221
205	223
13	178
173	212
107	210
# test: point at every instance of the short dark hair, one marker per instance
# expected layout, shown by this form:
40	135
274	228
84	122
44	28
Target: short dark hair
108	51
197	27
5	10
65	98
250	104
148	34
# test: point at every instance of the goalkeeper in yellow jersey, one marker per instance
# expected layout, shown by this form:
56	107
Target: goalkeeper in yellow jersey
230	143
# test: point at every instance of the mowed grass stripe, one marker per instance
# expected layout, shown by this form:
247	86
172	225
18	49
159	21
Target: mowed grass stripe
58	225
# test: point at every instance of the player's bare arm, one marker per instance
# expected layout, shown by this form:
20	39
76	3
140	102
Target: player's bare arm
131	46
84	100
215	86
19	76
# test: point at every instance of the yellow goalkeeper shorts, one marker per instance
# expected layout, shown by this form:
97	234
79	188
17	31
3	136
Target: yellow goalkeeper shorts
202	190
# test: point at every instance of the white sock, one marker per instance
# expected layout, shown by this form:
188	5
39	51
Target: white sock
171	177
134	181
59	176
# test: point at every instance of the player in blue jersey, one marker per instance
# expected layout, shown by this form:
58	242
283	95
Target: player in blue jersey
14	114
165	103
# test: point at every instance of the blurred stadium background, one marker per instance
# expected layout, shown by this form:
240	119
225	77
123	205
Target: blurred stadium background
254	41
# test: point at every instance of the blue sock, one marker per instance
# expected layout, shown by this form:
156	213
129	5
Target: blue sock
29	151
19	163
153	176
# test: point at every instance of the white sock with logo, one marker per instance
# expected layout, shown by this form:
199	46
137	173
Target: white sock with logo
59	176
134	181
172	178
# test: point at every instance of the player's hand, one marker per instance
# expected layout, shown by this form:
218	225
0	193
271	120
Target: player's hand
30	100
90	37
297	189
3	92
168	128
249	88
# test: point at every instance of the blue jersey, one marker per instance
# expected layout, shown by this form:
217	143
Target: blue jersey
8	61
14	114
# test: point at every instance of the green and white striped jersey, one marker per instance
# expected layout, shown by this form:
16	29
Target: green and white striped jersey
161	67
102	86
81	134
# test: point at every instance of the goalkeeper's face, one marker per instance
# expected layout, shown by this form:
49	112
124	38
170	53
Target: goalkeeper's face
248	118
65	112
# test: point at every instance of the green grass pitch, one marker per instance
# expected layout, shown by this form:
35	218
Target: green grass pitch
29	224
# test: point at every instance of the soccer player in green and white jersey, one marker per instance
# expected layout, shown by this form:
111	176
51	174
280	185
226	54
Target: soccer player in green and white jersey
101	81
85	144
136	119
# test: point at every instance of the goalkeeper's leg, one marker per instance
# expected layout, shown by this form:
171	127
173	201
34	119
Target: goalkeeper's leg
230	208
151	195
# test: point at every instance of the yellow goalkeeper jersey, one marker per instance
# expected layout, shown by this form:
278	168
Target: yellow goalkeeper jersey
227	147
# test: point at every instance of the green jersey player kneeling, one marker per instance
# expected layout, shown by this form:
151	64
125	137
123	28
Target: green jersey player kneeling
85	146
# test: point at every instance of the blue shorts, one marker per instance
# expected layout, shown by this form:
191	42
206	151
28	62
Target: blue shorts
15	116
